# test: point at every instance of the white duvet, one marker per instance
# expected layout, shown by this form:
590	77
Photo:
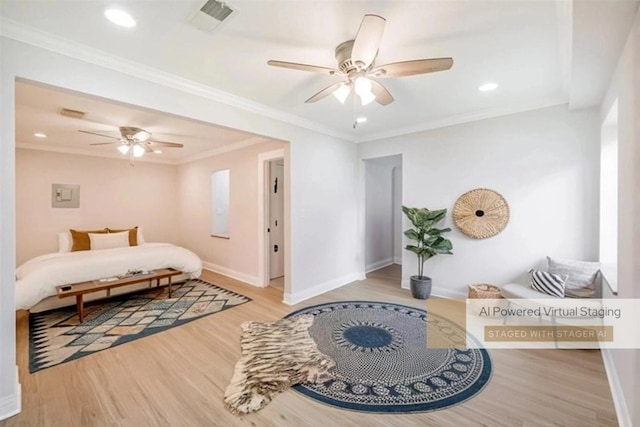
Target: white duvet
37	278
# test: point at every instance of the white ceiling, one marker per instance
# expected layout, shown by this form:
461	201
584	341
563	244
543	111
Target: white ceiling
38	111
540	53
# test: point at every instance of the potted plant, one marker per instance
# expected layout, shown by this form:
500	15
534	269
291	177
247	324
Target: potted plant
428	243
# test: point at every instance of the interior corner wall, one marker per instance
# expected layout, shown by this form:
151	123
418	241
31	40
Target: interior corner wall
397	215
625	88
325	248
236	256
112	194
545	164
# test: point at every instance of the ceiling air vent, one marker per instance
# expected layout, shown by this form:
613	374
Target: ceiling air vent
212	14
74	114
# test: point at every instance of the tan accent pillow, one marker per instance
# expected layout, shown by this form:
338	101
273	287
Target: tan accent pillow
133	234
80	239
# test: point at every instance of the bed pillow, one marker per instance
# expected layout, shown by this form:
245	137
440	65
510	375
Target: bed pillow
109	240
140	236
133	234
581	282
548	283
64	242
80	239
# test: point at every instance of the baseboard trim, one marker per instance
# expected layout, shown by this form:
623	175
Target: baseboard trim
297	297
448	293
438	292
252	280
12	405
378	264
622	412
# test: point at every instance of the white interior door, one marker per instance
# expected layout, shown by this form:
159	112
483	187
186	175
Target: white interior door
276	219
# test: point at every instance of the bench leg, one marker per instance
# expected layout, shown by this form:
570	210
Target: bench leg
80	307
169	286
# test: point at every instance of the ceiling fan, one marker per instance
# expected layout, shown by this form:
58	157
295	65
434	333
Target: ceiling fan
356	66
135	142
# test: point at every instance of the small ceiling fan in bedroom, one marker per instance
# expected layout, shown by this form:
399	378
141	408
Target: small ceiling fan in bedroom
357	68
135	142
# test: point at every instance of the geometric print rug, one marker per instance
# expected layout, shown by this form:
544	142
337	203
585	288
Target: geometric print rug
382	363
57	336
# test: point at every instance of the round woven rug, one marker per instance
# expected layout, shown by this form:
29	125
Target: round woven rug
383	363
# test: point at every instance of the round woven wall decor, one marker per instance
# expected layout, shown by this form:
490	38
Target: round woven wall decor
481	213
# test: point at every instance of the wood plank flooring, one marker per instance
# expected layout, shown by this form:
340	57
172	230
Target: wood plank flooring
178	377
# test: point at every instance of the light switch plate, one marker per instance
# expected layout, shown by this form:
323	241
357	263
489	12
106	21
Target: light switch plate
65	196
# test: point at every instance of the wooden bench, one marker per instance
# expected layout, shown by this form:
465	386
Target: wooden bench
78	290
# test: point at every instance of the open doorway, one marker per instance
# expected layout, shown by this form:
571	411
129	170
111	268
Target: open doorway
273	235
276	223
383	218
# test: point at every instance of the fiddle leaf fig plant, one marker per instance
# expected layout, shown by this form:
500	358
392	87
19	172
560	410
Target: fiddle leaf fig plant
428	239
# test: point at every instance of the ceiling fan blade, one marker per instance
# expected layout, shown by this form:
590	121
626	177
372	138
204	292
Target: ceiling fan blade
166	144
410	68
147	148
324	92
102	143
383	97
99	134
302	67
367	41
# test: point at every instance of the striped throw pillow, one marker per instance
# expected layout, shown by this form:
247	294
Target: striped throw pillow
548	283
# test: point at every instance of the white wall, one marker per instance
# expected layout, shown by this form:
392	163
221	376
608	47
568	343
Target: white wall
325	247
236	256
10	402
624	371
379	211
545	164
324	223
112	194
397	215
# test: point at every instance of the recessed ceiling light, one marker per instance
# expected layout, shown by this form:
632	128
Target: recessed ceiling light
39	135
120	17
157	151
361	119
487	87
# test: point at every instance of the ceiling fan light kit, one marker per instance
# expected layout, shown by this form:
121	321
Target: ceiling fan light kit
135	142
356	66
342	92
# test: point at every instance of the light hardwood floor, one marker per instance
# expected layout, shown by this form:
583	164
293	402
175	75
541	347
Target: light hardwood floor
178	377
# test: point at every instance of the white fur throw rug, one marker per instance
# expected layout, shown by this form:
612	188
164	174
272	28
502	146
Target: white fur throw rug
275	356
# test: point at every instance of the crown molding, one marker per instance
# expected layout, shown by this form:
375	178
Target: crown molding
147	158
44	40
91	153
224	149
466	118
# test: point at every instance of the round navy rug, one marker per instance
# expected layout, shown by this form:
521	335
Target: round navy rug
383	363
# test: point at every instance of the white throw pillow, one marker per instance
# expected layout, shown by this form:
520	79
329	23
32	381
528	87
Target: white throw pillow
582	276
109	240
140	236
64	242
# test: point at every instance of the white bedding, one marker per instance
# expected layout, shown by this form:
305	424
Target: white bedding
37	278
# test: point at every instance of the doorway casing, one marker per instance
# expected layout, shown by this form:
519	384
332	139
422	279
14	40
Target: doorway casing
263	217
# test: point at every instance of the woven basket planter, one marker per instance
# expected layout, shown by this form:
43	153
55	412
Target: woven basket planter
481	213
484	290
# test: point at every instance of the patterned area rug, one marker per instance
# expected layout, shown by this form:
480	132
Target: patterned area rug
382	360
56	336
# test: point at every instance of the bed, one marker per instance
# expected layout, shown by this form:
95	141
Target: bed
36	279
